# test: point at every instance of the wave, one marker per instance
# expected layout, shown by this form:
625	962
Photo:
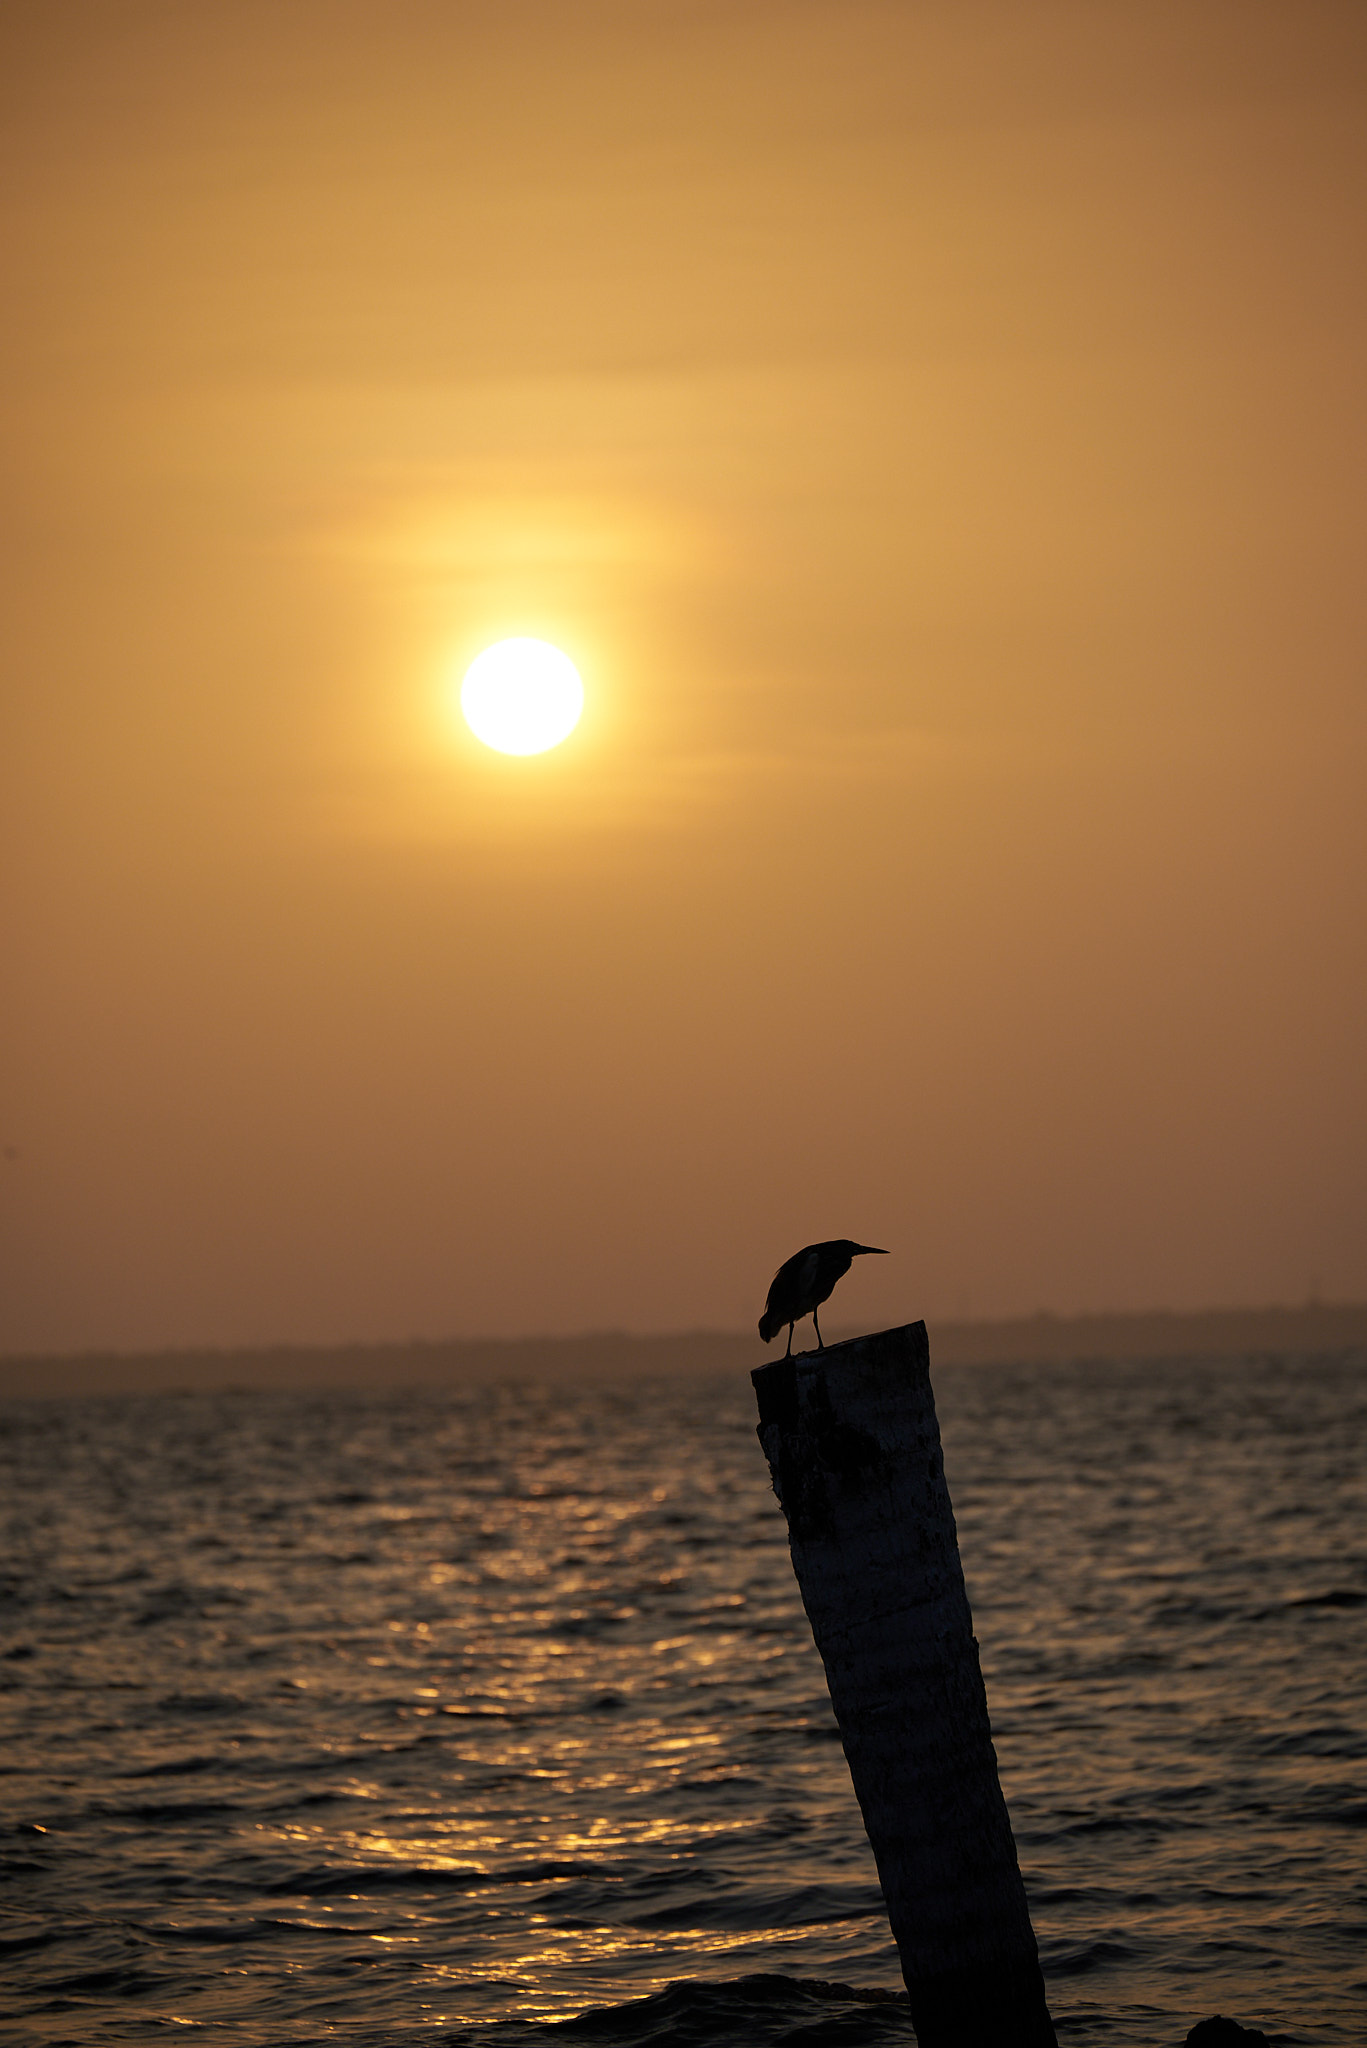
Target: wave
760	2011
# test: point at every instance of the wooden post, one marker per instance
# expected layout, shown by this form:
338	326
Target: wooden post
854	1449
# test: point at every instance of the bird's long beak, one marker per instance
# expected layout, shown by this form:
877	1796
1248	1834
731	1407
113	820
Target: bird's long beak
872	1248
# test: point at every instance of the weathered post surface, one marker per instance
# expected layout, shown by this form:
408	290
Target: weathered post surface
854	1449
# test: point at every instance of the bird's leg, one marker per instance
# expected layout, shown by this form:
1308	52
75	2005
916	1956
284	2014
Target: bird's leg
817	1327
789	1352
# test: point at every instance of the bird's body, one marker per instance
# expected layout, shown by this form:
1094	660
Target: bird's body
803	1282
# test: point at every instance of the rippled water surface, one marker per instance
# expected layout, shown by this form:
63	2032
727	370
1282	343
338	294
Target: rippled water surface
384	1717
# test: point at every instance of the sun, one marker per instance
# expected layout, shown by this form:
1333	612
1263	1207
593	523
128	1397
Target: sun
522	696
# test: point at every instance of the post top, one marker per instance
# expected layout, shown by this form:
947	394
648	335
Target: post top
903	1348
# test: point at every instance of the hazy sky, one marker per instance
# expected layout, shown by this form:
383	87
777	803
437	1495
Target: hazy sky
937	433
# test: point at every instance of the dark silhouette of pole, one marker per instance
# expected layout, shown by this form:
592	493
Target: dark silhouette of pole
803	1282
853	1446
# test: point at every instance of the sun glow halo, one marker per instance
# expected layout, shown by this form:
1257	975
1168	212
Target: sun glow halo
522	696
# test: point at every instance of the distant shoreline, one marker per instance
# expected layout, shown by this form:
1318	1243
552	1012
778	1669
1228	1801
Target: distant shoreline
1211	1334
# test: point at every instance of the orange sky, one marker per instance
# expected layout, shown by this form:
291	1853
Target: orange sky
937	433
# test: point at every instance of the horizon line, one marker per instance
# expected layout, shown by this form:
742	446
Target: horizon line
1031	1318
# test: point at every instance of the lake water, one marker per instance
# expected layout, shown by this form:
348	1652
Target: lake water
451	1717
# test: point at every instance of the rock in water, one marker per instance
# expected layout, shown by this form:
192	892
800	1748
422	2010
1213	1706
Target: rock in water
1218	2032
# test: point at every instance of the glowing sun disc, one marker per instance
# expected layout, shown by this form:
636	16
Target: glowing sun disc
522	696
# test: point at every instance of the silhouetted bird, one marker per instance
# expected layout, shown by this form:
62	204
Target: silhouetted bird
803	1282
